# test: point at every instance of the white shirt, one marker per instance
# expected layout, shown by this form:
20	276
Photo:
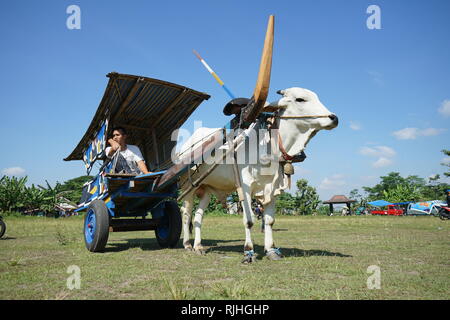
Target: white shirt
132	155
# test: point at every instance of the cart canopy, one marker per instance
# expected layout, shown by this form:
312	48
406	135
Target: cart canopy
149	109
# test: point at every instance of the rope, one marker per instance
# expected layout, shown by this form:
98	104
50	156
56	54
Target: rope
299	117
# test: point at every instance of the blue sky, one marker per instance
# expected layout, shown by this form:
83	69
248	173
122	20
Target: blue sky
389	87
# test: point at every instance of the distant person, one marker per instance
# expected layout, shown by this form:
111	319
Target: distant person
259	210
129	158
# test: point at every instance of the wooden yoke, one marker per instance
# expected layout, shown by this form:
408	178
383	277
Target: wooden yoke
255	106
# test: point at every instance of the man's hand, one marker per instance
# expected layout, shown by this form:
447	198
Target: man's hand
114	147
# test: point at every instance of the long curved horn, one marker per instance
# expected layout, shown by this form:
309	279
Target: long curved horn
262	85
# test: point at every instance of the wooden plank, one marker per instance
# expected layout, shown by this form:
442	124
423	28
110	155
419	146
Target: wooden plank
127	99
171	106
132	127
155	147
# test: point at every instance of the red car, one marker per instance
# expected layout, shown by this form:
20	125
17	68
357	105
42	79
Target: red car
392	210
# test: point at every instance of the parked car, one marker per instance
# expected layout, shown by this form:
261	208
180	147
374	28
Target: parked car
392	210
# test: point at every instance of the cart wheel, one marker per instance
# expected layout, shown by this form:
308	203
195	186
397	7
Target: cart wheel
2	228
169	229
96	226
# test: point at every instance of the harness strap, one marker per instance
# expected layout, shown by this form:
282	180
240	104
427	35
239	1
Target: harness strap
287	156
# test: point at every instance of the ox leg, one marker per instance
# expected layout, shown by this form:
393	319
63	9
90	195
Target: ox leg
272	253
204	201
186	210
249	254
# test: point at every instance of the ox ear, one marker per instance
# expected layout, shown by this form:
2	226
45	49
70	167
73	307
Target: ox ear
281	92
274	106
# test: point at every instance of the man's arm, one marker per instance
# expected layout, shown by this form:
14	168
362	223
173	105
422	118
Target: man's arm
142	167
114	147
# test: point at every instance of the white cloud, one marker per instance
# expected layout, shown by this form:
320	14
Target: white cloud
444	109
378	151
382	153
14	171
413	133
355	126
406	134
377	77
382	162
336	180
431	132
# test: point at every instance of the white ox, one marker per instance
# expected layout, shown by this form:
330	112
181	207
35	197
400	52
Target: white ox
302	115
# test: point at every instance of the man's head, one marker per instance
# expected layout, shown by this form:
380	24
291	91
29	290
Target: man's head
119	135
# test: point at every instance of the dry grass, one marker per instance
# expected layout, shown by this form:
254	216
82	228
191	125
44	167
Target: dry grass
325	258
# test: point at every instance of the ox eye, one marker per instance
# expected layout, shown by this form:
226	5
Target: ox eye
300	100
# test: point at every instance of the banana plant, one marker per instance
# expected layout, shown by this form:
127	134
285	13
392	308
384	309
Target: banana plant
52	196
12	192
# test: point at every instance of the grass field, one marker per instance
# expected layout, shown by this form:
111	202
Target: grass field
325	258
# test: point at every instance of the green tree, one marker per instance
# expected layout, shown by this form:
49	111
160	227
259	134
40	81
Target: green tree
434	189
306	198
73	188
285	203
12	193
402	193
34	198
394	183
361	201
52	196
446	164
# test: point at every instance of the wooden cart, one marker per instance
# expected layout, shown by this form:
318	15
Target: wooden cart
150	110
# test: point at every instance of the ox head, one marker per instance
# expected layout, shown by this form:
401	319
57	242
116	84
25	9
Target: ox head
304	116
298	103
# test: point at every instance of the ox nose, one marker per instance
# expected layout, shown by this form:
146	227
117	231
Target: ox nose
334	118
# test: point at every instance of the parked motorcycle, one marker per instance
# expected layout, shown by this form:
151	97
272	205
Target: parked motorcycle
444	213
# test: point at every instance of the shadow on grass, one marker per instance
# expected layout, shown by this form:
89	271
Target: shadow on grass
151	244
215	245
287	252
7	238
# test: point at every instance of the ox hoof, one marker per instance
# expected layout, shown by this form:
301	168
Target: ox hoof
249	257
188	247
274	254
200	251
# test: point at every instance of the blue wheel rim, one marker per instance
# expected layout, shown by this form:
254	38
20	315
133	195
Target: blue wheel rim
89	226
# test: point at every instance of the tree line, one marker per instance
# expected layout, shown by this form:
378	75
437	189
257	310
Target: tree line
16	196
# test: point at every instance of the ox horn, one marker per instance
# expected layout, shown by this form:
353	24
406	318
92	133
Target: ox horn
253	109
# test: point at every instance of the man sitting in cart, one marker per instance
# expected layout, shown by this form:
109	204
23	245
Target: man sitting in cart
129	158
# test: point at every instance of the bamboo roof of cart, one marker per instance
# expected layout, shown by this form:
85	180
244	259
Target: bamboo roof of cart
149	109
